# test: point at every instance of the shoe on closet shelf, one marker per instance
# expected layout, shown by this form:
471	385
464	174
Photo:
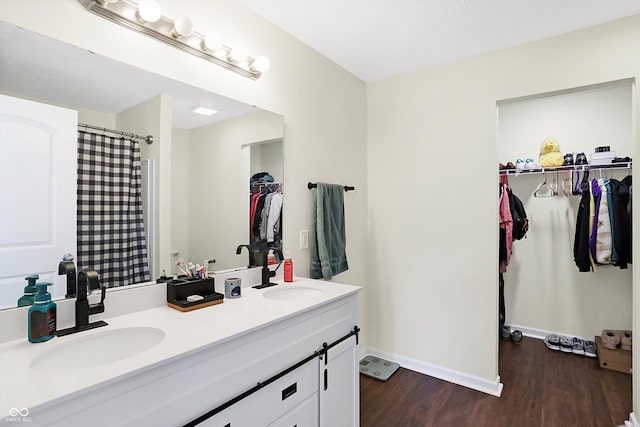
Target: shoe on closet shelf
566	344
505	333
552	342
531	164
610	339
625	340
590	349
568	160
520	164
581	159
516	336
578	346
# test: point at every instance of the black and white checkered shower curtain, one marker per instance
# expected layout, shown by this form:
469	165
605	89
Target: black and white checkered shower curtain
111	235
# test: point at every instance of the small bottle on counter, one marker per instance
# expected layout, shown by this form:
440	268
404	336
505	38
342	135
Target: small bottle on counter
42	316
288	268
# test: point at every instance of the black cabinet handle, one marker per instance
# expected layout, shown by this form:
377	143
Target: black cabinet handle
326	380
289	391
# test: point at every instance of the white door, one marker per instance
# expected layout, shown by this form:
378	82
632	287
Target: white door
38	152
340	387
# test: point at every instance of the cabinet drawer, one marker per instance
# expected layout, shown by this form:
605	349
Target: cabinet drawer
303	415
268	404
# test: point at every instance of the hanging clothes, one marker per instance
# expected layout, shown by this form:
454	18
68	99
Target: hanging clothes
603	224
506	228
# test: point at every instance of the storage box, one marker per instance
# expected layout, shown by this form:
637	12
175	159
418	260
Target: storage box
617	360
179	290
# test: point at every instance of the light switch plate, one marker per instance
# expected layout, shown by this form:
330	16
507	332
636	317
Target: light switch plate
304	239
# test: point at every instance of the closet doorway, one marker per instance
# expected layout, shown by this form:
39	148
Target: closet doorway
544	292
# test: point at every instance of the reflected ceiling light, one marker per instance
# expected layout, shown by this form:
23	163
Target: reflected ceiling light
148	11
205	111
146	17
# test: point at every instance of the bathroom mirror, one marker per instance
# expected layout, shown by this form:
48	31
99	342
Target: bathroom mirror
209	212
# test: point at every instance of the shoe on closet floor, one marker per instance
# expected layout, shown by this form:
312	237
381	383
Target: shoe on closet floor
590	349
578	346
516	336
506	333
566	344
552	342
610	339
625	340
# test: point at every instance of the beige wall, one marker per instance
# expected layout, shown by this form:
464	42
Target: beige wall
433	201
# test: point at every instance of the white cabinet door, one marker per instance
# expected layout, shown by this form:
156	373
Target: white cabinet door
339	386
273	401
303	415
38	146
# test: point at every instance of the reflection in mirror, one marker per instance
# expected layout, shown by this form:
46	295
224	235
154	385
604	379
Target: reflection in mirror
194	176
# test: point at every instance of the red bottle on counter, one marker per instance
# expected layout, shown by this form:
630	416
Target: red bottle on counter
288	268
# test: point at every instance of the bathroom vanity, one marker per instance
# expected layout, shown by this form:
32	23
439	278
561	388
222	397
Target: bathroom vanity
281	356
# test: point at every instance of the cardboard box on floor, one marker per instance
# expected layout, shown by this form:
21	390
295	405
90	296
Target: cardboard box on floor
617	360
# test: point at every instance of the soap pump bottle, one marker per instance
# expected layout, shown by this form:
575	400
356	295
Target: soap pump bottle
42	315
288	268
29	291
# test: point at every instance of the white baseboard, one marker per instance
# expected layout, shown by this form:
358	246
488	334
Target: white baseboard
493	388
540	333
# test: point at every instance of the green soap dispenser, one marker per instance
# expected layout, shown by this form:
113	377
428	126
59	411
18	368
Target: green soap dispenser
29	291
42	315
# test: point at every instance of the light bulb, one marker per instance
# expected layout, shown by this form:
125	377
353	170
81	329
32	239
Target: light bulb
148	11
238	53
212	41
261	64
105	2
182	27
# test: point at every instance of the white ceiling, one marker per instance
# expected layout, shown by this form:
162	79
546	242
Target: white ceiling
377	39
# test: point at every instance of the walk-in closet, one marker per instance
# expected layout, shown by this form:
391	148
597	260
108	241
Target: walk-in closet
544	291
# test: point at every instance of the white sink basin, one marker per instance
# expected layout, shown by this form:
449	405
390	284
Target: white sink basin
291	293
81	352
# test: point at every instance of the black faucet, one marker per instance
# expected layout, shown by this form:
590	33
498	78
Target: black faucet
250	249
87	279
68	268
266	273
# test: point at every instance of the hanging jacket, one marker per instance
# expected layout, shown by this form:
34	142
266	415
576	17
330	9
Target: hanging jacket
603	229
581	241
506	224
620	194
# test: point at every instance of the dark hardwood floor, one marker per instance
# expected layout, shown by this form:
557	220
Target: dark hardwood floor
542	387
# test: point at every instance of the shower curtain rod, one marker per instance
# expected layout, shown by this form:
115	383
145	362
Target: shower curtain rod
148	139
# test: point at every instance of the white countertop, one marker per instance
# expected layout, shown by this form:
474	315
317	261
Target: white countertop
22	386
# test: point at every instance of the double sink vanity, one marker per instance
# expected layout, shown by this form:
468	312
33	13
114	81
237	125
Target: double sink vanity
280	356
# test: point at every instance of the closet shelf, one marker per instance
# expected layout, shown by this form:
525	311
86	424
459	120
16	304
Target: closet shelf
613	166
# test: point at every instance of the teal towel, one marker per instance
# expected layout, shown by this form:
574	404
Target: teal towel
328	239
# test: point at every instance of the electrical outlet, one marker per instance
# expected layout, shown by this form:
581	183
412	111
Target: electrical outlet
304	239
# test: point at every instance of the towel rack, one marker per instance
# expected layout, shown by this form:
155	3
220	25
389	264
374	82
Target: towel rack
311	185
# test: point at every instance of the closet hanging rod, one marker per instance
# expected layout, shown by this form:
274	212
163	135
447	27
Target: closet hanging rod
311	185
148	139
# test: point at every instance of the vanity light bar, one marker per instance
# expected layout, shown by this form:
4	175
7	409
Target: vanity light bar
178	33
